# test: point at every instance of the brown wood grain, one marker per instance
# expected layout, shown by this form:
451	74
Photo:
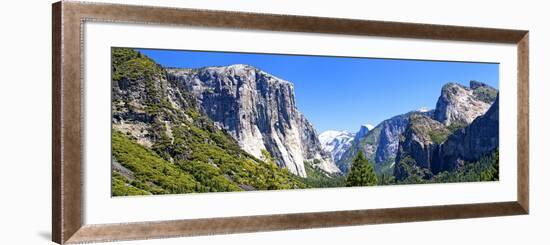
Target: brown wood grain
523	122
178	228
67	19
67	163
56	120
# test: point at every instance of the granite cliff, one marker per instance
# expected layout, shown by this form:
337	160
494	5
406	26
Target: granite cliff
378	144
463	129
259	111
460	105
163	144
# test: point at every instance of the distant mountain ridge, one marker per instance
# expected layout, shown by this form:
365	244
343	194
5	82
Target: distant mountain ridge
378	145
456	107
336	142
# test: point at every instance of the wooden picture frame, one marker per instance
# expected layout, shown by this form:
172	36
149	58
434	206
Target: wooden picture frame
67	221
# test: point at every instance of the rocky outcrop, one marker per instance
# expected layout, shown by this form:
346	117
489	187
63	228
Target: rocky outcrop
336	142
436	147
420	141
163	144
259	111
460	105
139	87
470	143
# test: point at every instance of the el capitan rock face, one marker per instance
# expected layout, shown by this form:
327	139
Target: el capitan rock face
259	111
163	144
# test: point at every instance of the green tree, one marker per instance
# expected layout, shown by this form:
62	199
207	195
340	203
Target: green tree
411	172
361	173
491	173
385	179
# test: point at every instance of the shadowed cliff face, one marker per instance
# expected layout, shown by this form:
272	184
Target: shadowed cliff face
389	138
420	141
470	143
464	130
379	144
259	111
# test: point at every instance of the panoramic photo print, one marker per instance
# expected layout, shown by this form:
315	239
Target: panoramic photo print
205	121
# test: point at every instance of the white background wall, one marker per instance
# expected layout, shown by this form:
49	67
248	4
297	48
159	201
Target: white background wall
25	138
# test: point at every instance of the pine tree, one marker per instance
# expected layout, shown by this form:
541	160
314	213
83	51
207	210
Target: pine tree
496	164
361	173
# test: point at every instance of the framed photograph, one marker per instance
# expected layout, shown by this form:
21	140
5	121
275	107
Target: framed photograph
180	122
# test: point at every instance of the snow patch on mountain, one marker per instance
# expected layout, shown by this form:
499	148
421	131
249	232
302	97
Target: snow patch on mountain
336	142
423	109
368	126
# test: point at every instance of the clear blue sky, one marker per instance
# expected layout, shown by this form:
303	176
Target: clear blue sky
342	93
